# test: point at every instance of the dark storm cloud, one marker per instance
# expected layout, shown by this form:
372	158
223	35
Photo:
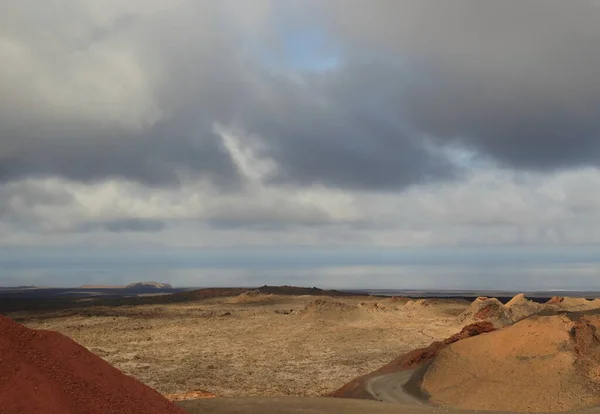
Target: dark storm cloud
341	129
154	158
516	80
527	132
513	80
37	140
344	129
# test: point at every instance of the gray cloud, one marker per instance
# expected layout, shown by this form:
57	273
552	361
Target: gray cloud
17	201
154	158
123	225
132	103
341	129
131	95
514	80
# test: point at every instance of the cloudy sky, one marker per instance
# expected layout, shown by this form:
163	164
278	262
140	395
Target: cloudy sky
346	126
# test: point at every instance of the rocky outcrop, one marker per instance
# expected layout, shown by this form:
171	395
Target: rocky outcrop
486	309
520	308
492	310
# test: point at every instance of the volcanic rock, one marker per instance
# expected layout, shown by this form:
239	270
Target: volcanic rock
486	309
520	307
572	304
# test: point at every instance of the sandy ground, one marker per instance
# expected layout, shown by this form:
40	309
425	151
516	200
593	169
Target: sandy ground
254	346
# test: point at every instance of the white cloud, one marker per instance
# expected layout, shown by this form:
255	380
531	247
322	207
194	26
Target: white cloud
63	70
490	207
74	72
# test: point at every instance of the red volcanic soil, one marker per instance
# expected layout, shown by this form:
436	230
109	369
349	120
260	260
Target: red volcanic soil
555	300
411	360
46	372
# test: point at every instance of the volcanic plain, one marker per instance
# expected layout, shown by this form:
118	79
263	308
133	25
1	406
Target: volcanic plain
252	343
264	347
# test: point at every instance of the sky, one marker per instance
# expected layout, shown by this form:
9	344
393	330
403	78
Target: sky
234	132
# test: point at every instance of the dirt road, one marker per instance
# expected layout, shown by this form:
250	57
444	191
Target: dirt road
390	388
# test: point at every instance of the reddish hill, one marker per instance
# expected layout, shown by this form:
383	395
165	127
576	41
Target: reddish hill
540	364
411	360
46	372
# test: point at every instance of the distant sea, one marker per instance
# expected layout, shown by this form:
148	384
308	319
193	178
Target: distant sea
379	279
464	293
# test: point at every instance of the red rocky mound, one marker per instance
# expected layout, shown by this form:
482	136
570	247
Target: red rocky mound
46	372
540	364
409	361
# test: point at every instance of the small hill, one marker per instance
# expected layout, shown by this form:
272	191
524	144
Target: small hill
572	304
486	309
520	307
253	296
357	388
377	307
418	304
46	372
540	364
330	310
148	286
297	291
492	310
427	304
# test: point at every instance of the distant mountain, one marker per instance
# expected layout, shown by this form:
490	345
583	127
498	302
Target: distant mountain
148	285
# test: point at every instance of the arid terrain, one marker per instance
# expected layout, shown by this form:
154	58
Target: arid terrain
264	347
254	344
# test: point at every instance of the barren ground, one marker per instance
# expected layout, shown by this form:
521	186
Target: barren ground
253	346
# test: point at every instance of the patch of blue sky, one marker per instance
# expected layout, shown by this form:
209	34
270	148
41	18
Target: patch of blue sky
307	49
302	49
